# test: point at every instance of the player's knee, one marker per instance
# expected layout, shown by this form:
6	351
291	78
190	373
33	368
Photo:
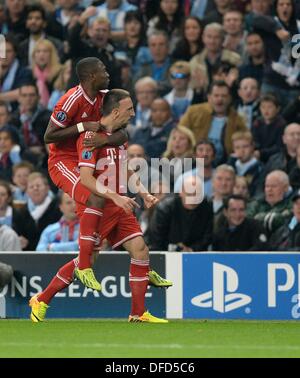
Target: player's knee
95	201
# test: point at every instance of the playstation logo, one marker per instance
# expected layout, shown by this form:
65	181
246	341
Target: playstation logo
223	297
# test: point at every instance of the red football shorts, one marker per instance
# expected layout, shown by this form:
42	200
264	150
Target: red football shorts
65	175
116	225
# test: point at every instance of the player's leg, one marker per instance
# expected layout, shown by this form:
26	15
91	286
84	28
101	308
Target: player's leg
39	303
138	280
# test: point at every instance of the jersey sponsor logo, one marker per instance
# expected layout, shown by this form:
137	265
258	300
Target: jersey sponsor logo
61	116
86	155
84	115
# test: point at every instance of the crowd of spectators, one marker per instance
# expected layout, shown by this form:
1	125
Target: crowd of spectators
217	80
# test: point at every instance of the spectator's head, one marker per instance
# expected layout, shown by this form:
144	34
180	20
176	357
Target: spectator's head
5	195
192	29
36	19
146	90
192	192
135	151
276	185
37	187
243	145
213	37
4	114
233	22
206	150
284	10
28	97
181	143
296	206
67	206
291	138
63	78
160	112
219	97
21	172
248	90
91	71
8	140
45	56
235	209
180	75
133	24
117	108
170	8
99	31
158	43
10	55
261	6
241	187
223	4
269	107
221	71
15	7
255	45
223	181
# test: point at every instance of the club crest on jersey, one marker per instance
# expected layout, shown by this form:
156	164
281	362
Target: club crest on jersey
86	155
61	116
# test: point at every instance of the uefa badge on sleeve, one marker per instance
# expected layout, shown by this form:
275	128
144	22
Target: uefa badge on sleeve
61	116
86	155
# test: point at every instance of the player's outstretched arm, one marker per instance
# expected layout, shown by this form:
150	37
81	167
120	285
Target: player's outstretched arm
55	134
118	138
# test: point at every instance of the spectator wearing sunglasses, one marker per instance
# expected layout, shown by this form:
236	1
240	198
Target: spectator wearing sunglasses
181	96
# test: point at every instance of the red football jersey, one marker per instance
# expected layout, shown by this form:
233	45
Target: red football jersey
73	107
109	162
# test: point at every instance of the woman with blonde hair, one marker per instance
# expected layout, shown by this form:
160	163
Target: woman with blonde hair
181	145
45	68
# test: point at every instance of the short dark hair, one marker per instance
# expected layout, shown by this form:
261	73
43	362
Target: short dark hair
270	97
36	8
86	66
112	99
218	83
237	197
31	83
208	142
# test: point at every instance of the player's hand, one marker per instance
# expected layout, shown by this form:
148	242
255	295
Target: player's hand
95	141
91	126
126	203
149	200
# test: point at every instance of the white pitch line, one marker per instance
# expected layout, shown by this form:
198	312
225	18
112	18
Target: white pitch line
151	346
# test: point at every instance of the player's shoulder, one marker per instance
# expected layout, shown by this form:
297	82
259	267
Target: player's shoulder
71	97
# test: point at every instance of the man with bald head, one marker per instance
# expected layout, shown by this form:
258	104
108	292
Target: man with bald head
183	222
285	159
154	137
275	207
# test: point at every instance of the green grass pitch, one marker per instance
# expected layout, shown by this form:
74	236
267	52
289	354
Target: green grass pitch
179	338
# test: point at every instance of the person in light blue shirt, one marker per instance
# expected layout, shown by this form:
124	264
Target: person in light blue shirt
115	11
62	236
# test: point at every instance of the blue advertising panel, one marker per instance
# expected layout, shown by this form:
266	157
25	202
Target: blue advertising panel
241	285
33	272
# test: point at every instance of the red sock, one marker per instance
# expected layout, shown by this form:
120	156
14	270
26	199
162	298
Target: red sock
89	226
138	281
62	279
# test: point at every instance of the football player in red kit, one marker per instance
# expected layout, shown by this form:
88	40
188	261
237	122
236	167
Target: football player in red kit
103	170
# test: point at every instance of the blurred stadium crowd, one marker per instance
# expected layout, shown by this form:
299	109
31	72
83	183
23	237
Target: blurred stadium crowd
211	79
